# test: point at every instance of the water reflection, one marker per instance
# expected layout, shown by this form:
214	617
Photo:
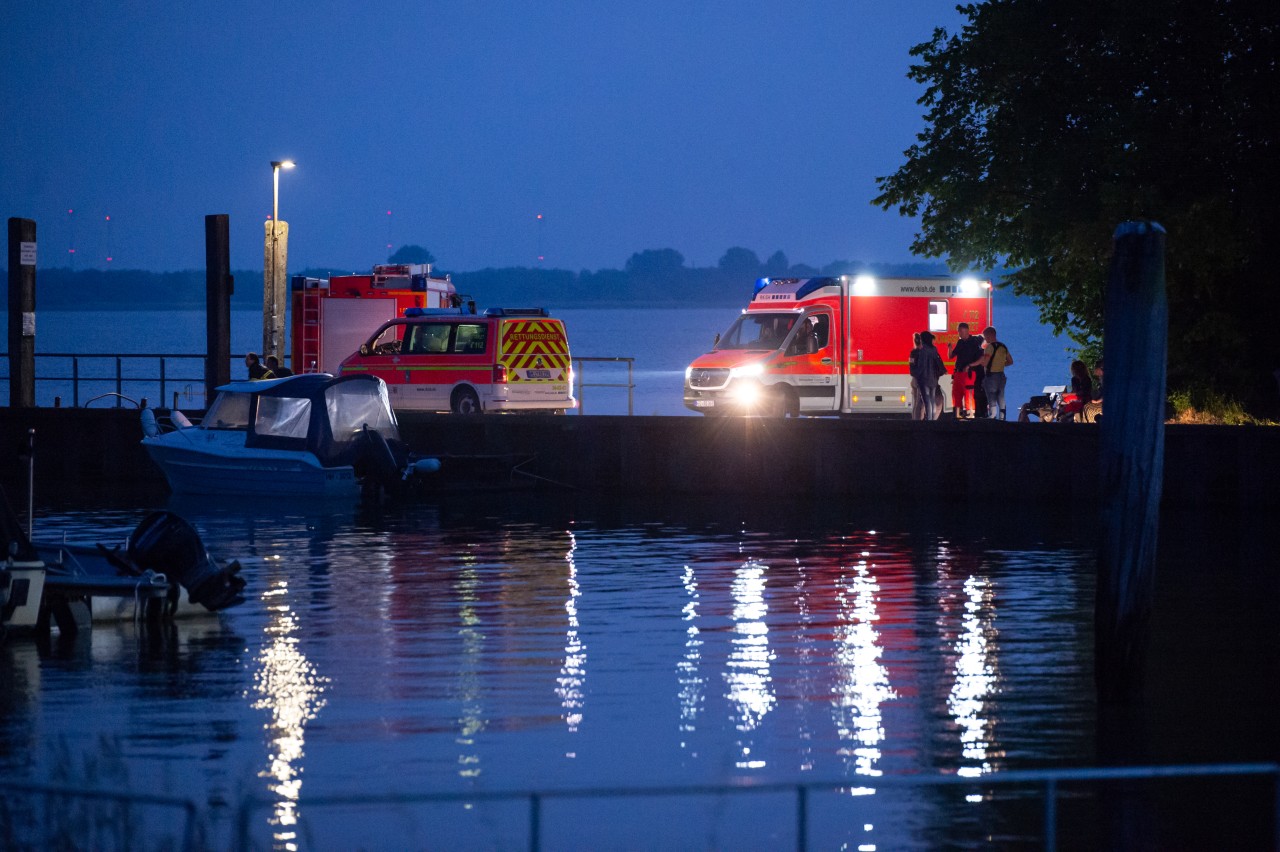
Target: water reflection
750	686
574	671
975	678
471	718
290	689
862	680
690	694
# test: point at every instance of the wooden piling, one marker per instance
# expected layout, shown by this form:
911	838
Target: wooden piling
1131	458
218	289
22	313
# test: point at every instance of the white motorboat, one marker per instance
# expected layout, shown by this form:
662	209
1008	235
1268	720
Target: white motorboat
303	435
161	571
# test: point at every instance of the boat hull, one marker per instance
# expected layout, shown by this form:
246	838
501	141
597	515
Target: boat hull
210	467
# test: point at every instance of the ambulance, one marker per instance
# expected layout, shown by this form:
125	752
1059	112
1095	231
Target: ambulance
832	346
450	359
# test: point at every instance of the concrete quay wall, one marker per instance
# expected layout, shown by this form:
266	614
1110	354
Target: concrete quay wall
899	460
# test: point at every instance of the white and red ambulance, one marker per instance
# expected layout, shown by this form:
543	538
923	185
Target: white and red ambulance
832	345
506	359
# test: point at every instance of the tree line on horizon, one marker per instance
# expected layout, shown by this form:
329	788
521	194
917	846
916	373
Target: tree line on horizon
649	276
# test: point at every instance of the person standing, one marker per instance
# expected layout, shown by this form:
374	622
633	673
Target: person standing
273	364
995	360
255	368
917	404
966	351
926	369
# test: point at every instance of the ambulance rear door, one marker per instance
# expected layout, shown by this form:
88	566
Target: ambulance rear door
535	353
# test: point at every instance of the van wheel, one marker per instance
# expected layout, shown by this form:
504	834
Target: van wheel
465	402
785	403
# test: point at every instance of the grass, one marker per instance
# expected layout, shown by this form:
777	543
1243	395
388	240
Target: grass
1204	407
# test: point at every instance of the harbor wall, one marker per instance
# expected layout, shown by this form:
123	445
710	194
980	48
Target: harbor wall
890	459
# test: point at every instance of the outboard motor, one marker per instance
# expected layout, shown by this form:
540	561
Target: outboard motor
167	544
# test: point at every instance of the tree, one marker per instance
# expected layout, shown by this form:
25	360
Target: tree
740	263
1049	122
777	265
411	254
655	264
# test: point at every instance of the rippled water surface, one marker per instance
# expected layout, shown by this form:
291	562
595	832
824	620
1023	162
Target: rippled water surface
531	643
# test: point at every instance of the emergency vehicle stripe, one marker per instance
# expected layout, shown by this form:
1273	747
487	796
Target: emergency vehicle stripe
543	347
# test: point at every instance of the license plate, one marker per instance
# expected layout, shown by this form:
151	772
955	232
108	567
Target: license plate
704	403
539	374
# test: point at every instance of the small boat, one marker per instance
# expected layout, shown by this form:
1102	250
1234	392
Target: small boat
161	571
304	435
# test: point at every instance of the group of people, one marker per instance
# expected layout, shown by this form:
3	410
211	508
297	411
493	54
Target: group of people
272	369
978	377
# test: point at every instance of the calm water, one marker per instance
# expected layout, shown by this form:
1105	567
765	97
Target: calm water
661	340
520	642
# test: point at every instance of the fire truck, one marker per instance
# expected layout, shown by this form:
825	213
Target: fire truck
832	346
333	316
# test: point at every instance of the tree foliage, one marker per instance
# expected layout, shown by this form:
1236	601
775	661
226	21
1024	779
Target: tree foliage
411	254
1049	122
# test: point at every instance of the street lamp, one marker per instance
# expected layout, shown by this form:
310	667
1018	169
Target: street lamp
273	293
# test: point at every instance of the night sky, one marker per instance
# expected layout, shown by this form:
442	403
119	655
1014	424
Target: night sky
628	126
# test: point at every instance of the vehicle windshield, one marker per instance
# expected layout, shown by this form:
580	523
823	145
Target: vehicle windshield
230	410
758	331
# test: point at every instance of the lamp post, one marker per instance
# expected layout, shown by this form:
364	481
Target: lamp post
273	286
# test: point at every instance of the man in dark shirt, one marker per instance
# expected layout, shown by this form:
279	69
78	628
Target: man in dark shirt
273	364
966	350
255	368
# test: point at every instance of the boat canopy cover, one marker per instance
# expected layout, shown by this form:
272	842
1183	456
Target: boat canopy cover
313	411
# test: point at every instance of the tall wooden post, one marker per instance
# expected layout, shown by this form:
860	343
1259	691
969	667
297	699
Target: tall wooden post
218	287
22	313
1132	458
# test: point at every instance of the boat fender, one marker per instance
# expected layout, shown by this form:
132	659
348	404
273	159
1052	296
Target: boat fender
179	419
150	427
424	466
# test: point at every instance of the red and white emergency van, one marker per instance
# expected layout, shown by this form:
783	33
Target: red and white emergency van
832	345
506	359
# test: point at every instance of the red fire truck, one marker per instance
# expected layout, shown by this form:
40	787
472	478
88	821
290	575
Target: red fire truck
333	316
831	345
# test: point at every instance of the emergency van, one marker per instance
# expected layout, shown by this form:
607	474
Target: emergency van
832	345
506	359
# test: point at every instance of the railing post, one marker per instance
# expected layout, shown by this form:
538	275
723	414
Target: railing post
631	385
582	406
161	397
75	382
119	380
1050	815
535	822
802	818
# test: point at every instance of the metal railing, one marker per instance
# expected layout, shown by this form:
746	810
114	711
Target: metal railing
70	818
120	377
1049	782
578	383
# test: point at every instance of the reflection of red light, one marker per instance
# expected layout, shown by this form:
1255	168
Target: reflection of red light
108	260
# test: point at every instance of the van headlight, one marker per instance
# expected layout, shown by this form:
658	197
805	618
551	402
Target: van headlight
747	371
688	372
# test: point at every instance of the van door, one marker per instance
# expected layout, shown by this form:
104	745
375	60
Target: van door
425	361
811	362
535	353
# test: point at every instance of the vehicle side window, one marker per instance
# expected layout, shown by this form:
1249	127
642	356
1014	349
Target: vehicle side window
388	342
812	335
428	338
470	338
